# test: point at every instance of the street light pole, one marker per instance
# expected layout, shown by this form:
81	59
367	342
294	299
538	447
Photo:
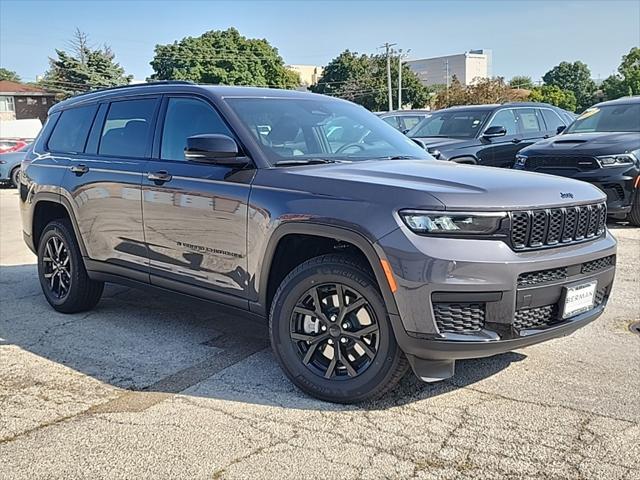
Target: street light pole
400	77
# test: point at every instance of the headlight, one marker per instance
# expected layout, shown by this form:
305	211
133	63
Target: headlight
616	160
521	161
452	223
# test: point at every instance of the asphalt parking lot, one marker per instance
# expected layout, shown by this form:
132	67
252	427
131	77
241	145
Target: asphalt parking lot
153	386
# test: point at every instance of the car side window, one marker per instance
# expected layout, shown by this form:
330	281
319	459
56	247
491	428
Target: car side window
127	128
552	119
186	117
528	120
393	121
410	122
71	130
507	119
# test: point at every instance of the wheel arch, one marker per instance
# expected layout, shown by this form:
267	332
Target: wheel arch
339	237
48	207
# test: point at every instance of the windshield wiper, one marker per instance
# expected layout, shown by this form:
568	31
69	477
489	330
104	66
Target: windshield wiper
398	157
305	161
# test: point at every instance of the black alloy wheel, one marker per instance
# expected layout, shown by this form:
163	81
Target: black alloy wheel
57	267
335	330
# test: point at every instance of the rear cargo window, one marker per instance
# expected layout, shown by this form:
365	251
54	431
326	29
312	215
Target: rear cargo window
71	130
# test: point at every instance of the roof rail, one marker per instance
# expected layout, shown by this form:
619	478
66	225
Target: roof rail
117	87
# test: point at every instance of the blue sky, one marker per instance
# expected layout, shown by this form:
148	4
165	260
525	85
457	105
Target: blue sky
527	37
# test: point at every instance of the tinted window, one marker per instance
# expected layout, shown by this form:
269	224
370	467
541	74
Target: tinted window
393	121
608	118
127	128
186	117
71	130
506	119
450	123
410	122
528	119
552	120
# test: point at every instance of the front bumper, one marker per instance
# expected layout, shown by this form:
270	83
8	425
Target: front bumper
507	293
618	183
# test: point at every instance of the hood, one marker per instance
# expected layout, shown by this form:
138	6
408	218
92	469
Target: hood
444	143
592	144
455	186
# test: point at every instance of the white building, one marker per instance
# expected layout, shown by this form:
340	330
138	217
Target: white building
309	74
467	67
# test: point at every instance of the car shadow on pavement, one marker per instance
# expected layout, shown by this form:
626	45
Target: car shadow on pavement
146	341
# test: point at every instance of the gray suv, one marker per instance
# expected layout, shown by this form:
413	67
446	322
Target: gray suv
364	254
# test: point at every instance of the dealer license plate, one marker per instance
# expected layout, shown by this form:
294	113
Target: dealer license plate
579	299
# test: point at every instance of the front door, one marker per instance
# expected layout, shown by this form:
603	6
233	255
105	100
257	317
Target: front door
195	214
501	151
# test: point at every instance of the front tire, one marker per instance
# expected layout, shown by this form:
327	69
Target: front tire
634	215
61	271
15	177
331	334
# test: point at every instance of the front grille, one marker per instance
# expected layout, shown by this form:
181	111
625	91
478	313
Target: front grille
562	162
548	315
543	276
533	229
535	317
597	265
459	317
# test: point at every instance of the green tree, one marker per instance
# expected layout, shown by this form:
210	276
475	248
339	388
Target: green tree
83	68
9	75
555	96
223	57
627	80
521	81
575	77
363	79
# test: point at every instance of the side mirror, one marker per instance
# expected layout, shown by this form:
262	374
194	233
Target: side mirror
560	129
406	130
213	148
495	131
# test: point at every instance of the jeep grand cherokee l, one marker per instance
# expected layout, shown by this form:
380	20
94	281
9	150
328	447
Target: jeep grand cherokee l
601	147
365	257
488	135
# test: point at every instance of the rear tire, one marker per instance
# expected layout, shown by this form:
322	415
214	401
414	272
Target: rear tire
337	350
15	177
61	271
634	215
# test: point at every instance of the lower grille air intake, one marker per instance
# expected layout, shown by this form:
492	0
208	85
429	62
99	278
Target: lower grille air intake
459	317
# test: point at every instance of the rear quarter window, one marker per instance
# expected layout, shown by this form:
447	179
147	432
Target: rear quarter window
71	130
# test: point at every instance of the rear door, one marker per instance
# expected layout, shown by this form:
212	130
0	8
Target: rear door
195	214
105	186
501	151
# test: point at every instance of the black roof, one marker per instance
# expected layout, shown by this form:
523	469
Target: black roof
620	101
180	86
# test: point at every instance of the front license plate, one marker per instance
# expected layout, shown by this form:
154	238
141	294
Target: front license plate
579	299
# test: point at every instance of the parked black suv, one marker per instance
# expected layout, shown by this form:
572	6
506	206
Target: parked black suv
601	147
489	135
366	256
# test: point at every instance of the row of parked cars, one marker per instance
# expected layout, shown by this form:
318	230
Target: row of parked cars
600	146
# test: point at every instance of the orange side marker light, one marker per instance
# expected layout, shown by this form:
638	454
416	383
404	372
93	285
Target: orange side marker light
389	274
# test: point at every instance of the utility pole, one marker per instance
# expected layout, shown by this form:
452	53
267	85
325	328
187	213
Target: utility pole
387	46
400	55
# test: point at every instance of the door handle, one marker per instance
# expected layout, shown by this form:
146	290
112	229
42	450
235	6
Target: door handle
79	169
159	177
516	140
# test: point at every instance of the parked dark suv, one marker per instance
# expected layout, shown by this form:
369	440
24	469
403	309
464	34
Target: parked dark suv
601	147
365	257
489	135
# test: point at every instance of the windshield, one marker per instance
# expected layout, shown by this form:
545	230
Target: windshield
299	129
608	118
451	123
